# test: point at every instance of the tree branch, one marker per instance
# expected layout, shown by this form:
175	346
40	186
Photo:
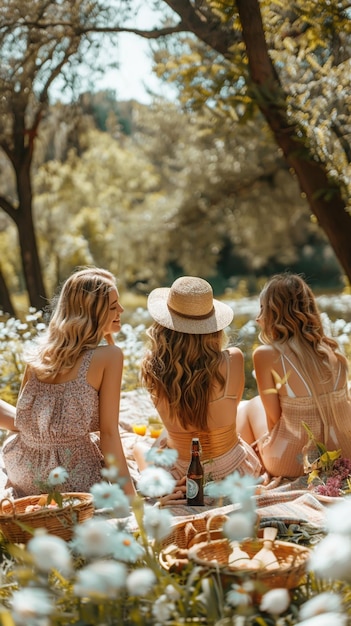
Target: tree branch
8	208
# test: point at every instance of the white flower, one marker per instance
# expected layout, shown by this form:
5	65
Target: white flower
110	473
126	548
172	593
155	482
238	596
157	522
331	558
93	538
57	476
338	517
50	552
327	619
239	526
140	581
30	603
158	456
110	496
100	579
162	609
275	601
240	489
323	603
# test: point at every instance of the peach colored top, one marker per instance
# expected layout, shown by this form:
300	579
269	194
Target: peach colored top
213	444
281	449
223	452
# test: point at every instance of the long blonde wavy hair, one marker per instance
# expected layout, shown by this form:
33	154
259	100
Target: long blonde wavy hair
182	368
291	317
80	313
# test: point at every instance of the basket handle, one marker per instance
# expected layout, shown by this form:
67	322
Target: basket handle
220	516
11	502
189	531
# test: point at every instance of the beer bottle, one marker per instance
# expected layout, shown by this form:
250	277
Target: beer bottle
195	477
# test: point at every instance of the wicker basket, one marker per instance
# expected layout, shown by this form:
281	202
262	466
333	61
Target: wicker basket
17	526
201	541
185	534
196	529
291	558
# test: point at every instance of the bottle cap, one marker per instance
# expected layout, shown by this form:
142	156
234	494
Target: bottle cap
196	441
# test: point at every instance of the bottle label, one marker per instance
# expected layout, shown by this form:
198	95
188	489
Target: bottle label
192	488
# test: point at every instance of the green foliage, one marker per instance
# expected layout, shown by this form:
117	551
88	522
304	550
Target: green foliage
194	192
144	204
311	54
15	336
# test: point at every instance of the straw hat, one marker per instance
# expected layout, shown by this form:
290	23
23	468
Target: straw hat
188	306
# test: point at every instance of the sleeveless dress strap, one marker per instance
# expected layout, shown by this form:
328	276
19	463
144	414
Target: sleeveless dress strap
337	378
291	394
226	356
84	366
283	356
225	393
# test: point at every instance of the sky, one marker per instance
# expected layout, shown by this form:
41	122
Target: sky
135	74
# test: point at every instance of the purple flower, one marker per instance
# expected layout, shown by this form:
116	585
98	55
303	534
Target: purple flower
331	488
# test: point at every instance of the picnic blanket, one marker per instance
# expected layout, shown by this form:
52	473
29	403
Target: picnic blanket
280	501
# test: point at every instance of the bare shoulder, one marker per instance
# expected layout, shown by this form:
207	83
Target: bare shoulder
235	354
265	354
108	354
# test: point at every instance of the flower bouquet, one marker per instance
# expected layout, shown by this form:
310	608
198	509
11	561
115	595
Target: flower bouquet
328	473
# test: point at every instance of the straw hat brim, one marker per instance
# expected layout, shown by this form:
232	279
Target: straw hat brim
221	317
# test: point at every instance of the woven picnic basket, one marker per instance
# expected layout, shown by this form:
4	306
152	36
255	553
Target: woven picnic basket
185	534
195	529
292	559
202	542
17	526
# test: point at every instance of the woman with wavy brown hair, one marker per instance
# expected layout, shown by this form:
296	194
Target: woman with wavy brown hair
302	377
68	406
194	380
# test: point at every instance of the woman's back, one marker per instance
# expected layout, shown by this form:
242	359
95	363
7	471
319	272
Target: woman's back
71	388
220	434
195	384
55	422
328	417
301	377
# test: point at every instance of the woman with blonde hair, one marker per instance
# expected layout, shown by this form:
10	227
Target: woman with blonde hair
194	380
302	377
68	406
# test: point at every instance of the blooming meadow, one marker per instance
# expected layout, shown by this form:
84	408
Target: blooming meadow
111	573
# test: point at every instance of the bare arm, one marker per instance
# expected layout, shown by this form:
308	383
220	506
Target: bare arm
264	360
109	399
236	372
7	416
8	411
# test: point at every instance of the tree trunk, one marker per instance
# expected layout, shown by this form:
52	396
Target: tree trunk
5	299
23	217
325	199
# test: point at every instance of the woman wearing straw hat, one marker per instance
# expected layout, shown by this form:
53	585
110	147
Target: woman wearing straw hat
195	382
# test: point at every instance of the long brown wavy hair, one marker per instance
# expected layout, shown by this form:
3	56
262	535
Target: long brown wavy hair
80	312
182	368
290	316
